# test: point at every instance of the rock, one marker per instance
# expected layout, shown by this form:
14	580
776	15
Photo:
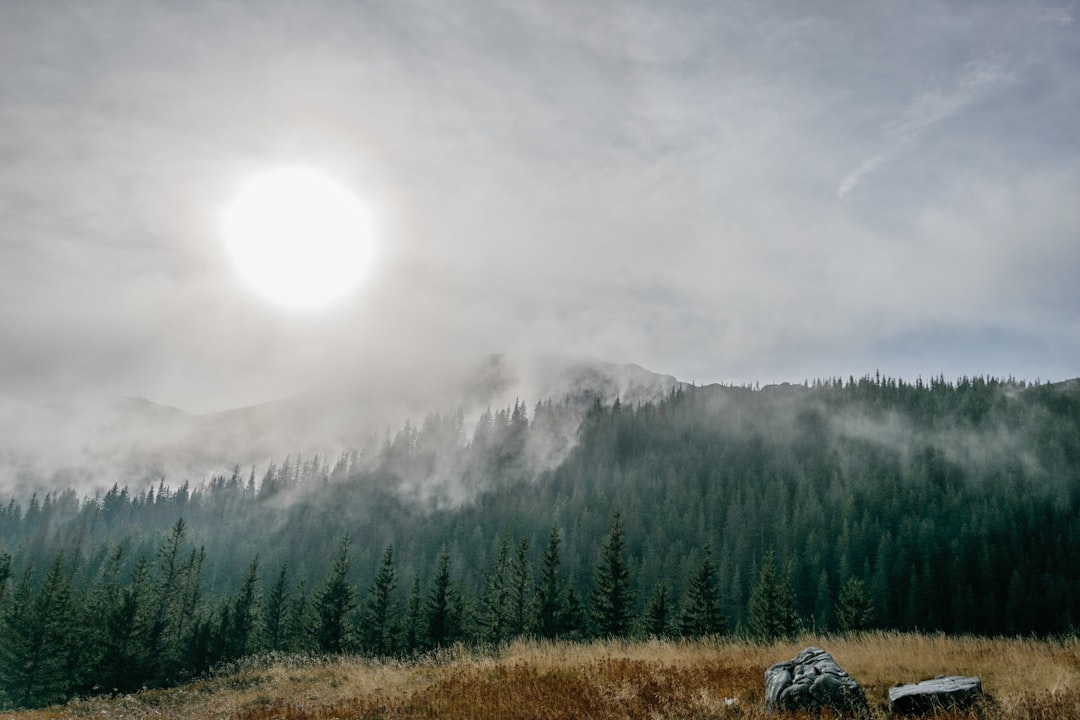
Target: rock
811	682
943	692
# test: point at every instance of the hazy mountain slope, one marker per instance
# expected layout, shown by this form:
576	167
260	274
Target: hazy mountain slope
92	443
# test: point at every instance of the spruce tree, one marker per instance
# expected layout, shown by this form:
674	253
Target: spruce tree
854	609
122	665
5	574
574	622
277	607
441	613
656	621
494	614
242	630
34	659
772	604
701	609
334	604
612	595
521	589
412	630
299	629
550	605
379	623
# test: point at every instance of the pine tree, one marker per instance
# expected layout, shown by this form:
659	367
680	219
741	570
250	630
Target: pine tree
550	606
299	635
5	574
656	621
334	604
854	610
379	626
521	588
701	610
772	604
121	666
34	659
574	621
277	605
440	611
494	614
412	631
613	594
242	629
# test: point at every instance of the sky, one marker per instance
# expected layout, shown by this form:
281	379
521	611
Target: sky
723	191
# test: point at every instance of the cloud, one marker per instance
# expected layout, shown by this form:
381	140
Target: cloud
977	82
644	183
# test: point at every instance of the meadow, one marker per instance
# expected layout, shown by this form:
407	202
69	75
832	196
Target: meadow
1027	679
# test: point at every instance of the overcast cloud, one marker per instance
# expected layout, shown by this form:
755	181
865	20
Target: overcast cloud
722	191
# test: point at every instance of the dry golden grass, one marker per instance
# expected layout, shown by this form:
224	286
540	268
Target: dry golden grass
1028	679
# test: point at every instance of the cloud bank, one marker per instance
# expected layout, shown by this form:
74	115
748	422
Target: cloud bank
719	191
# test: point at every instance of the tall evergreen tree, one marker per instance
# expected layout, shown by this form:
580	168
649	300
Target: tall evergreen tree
243	628
494	613
412	630
441	613
772	604
521	588
34	660
5	575
550	603
379	626
277	608
612	595
300	635
334	604
701	610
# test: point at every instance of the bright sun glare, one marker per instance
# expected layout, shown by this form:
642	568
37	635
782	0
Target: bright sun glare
297	237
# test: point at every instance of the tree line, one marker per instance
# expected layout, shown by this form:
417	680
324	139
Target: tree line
937	505
163	625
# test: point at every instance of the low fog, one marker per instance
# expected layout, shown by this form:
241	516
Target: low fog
95	442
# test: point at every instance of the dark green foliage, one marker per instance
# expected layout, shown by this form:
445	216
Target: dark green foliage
378	627
956	505
300	637
334	604
277	607
521	590
656	621
701	610
550	593
612	598
412	630
5	575
35	667
772	604
854	609
441	611
241	632
493	617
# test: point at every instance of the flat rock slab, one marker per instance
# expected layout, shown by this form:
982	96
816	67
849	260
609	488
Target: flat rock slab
941	693
811	682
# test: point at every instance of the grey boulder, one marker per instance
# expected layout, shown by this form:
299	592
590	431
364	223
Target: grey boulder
941	693
811	682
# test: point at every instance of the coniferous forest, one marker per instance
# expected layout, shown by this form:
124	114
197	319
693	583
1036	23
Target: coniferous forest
869	503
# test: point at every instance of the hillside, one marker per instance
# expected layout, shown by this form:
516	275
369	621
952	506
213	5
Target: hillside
90	443
871	503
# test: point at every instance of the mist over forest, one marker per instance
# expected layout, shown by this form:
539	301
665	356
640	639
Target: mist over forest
831	505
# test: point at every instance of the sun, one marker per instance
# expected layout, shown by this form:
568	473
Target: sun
297	237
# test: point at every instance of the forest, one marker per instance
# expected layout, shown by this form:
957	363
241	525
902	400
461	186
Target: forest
870	503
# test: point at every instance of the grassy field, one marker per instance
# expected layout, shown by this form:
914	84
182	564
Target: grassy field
1028	679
